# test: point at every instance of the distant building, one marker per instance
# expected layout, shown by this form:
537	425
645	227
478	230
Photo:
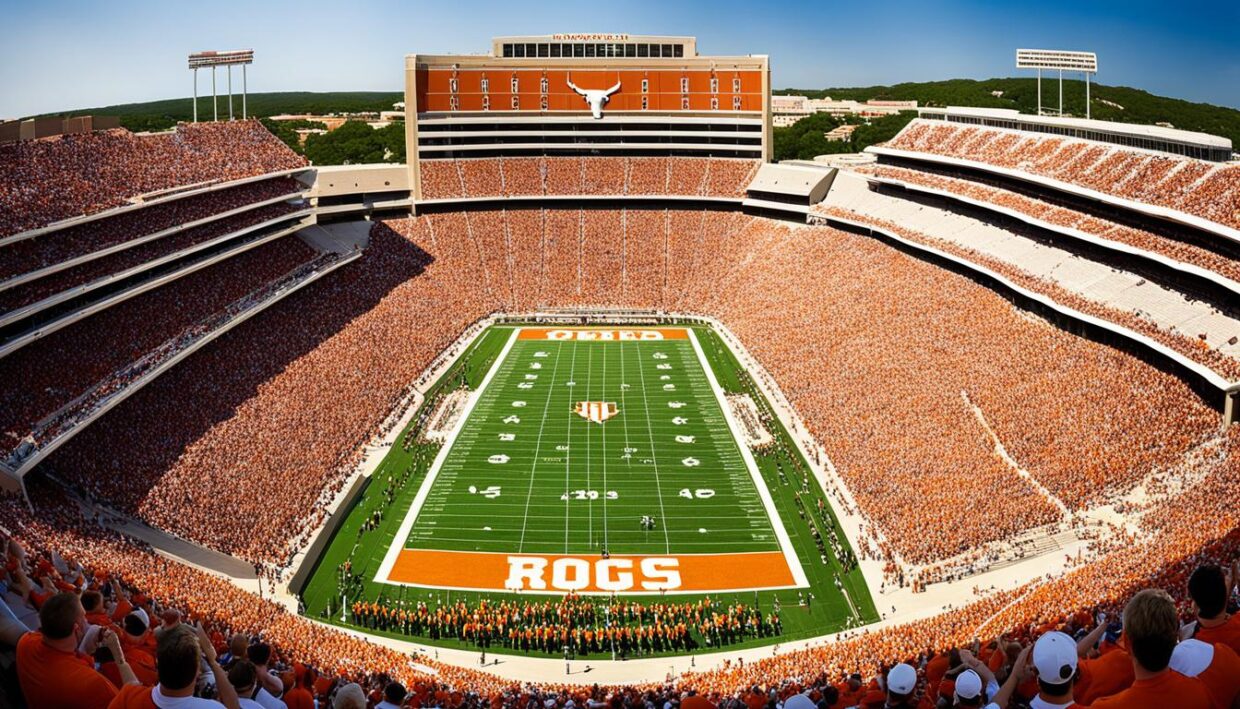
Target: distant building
840	134
787	110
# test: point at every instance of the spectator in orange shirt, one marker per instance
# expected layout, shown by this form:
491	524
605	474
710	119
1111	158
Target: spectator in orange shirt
1217	666
1209	588
179	657
52	673
1105	674
1151	626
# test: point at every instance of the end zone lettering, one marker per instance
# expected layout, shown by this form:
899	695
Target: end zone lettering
588	573
607	335
600	334
567	573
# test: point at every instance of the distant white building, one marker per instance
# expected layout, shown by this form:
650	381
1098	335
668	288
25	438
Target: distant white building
787	110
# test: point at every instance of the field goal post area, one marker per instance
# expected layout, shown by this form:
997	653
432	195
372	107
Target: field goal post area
614	570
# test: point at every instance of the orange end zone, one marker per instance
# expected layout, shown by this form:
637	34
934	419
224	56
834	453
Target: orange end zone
637	334
489	571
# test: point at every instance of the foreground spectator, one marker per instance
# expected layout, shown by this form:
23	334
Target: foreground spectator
1151	626
53	673
179	656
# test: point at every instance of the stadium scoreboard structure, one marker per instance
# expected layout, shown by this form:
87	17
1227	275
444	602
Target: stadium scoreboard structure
226	58
1058	60
586	94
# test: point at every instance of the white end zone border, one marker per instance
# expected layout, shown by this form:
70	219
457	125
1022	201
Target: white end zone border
768	503
777	523
406	525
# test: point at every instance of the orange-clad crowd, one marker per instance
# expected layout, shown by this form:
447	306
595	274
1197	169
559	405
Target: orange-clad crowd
1203	189
51	179
1177	250
56	368
32	255
955	421
622	176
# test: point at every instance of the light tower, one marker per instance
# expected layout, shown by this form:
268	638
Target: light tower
1061	60
228	58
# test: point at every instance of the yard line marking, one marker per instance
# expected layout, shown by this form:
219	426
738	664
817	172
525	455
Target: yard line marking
589	503
654	459
568	449
537	444
389	559
604	458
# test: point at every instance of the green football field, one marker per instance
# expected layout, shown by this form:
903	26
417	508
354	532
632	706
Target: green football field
527	474
523	472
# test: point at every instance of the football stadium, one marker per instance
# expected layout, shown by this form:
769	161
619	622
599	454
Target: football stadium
591	401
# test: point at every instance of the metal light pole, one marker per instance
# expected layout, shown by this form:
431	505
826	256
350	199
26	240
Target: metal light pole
215	104
195	95
244	90
230	113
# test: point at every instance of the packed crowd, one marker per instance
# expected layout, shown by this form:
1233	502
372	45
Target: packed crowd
35	254
1195	348
48	180
631	176
55	424
900	428
1173	249
43	376
104	270
1203	189
64	574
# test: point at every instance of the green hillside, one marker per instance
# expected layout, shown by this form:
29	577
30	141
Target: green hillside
803	140
161	115
1109	103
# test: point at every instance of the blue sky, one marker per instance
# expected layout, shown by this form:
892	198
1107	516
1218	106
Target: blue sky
64	54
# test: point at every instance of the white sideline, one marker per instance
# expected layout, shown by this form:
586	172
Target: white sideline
777	523
398	542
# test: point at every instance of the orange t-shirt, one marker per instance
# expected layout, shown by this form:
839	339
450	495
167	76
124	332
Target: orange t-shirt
1222	677
1166	689
1103	676
1228	633
133	696
51	679
298	698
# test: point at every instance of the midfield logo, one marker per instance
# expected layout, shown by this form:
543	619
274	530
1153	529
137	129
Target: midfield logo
596	411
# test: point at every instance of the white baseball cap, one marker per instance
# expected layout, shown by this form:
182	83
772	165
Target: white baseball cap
902	679
1054	656
799	701
968	685
1191	657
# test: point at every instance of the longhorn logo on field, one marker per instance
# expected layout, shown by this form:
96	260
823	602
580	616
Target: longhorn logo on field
596	98
596	411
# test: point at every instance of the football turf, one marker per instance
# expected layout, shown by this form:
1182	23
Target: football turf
527	474
404	469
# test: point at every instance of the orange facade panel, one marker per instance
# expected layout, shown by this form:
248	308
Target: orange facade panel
445	89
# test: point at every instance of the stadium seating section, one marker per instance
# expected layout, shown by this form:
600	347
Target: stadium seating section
625	176
908	375
1203	189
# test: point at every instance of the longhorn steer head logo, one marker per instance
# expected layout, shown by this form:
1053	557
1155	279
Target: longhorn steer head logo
597	98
